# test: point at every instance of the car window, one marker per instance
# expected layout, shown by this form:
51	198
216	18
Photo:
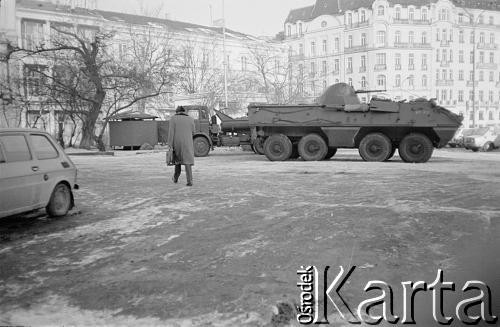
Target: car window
193	113
43	148
15	148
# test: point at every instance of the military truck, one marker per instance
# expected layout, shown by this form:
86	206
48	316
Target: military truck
340	120
209	134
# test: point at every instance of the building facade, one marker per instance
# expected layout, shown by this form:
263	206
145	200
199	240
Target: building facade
202	55
447	50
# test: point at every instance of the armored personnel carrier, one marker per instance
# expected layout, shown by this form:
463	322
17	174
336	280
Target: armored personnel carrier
340	120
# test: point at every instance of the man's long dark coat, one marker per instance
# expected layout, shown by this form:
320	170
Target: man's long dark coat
180	137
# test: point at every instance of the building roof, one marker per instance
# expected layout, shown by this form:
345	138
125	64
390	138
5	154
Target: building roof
130	18
336	7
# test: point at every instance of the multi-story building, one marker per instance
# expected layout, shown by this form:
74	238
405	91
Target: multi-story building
444	49
201	52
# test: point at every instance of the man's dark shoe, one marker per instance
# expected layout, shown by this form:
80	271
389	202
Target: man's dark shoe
175	180
189	184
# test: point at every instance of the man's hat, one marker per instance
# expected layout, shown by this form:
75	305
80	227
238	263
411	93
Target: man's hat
180	109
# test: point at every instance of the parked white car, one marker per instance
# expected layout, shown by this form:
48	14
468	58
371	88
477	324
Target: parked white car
483	138
34	173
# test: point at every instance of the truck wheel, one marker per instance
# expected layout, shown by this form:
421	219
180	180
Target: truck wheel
60	201
278	147
488	146
415	148
201	146
331	152
312	147
391	154
258	146
375	147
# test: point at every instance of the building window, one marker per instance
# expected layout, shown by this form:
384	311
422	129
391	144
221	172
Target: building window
424	61
451	55
323	67
460	75
381	81
381	59
481	76
337	44
349	81
444	55
349	19
438	35
492	77
460	96
398	80
481	57
397	61
313	48
349	41
313	68
461	36
424	80
460	17
424	38
397	37
34	79
492	57
300	28
481	19
472	37
337	65
363	62
490	96
492	20
363	39
324	85
411	37
472	57
380	37
492	38
411	61
424	13
289	30
32	34
481	38
461	56
411	81
363	82
481	115
437	55
324	46
411	13
398	13
450	75
349	65
301	49
471	75
362	16
243	63
301	71
381	11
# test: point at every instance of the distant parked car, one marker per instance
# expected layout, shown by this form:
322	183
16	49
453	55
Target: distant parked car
34	173
482	138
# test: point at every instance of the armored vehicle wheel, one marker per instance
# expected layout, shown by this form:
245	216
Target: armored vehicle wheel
416	148
312	147
295	152
391	154
375	147
201	146
331	152
278	147
488	146
258	146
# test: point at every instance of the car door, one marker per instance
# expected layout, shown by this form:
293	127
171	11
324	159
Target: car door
51	165
19	180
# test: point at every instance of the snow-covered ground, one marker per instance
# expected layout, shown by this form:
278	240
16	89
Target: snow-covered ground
140	250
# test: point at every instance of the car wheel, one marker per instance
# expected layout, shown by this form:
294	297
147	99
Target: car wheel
488	147
278	147
60	201
312	147
258	146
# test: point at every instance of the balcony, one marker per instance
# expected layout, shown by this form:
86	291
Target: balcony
487	46
442	82
296	57
490	66
406	45
362	69
357	25
358	48
411	21
421	45
380	67
401	45
445	43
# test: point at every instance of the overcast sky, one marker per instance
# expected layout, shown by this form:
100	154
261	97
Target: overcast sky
256	17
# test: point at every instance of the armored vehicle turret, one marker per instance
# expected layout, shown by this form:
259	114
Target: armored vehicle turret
340	120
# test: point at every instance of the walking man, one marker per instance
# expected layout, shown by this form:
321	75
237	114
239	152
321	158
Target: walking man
180	138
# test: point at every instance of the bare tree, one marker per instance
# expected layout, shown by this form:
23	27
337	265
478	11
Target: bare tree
102	84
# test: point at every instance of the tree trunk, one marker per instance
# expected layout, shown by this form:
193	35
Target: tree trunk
89	121
60	132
